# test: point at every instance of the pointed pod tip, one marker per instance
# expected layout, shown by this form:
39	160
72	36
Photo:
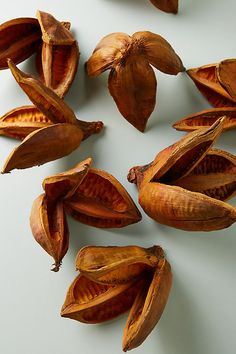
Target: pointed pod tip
56	267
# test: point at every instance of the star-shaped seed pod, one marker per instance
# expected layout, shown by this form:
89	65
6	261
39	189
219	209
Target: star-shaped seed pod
132	82
91	196
58	57
188	182
216	82
50	129
206	118
170	6
113	280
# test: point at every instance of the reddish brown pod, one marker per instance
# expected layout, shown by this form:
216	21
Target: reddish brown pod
91	196
216	82
58	58
113	280
187	184
50	129
132	82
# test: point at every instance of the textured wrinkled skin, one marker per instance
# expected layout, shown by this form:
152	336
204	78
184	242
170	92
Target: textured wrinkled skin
206	118
170	6
207	82
186	184
20	38
132	81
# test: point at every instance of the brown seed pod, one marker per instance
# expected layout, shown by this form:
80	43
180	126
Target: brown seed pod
60	133
58	58
92	196
206	118
124	285
20	38
116	265
132	81
101	201
49	227
186	163
206	78
170	6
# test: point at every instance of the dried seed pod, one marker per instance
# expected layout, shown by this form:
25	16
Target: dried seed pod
56	61
220	168
20	38
226	73
53	31
170	6
43	98
206	118
148	307
89	302
63	185
44	145
206	80
94	202
50	104
132	82
117	265
165	202
49	227
101	201
21	121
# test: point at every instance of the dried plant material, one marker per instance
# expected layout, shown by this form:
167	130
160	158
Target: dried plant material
226	73
116	265
20	38
206	118
21	121
148	307
56	62
220	168
207	81
116	279
163	200
44	145
91	196
49	227
170	6
132	81
101	201
90	302
57	135
53	31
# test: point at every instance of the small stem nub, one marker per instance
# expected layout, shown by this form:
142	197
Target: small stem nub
90	128
56	267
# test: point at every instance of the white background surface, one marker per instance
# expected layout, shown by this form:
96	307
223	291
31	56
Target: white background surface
200	317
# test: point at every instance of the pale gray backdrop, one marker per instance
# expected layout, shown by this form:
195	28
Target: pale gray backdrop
200	317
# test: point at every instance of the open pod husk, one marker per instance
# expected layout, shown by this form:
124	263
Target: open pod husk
132	81
216	83
187	183
98	201
52	127
116	265
145	294
206	118
58	57
20	38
